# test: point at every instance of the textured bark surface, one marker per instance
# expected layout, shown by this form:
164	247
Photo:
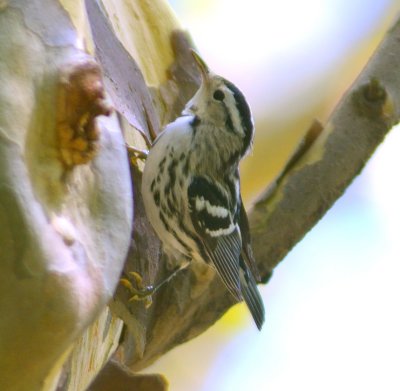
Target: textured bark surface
114	378
64	226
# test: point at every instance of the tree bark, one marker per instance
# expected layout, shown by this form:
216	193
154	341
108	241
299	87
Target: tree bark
65	192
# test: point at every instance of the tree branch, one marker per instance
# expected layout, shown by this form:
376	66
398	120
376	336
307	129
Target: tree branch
189	305
357	126
278	221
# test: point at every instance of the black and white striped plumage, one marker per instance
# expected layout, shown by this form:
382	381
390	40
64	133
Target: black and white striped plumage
191	186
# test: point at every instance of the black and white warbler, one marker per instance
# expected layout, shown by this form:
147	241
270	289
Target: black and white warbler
191	187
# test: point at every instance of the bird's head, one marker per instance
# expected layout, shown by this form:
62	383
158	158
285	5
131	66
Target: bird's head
220	103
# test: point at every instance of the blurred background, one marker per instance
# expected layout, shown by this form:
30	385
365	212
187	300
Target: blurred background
333	313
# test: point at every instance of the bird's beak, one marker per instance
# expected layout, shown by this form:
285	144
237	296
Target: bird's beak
202	65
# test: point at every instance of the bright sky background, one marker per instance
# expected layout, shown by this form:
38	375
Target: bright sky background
276	50
333	313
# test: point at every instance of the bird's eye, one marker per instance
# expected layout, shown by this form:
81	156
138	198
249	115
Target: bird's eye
219	95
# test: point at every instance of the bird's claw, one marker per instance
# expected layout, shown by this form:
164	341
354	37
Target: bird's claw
140	292
136	154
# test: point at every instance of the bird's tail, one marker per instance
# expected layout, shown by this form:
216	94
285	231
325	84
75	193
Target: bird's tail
251	295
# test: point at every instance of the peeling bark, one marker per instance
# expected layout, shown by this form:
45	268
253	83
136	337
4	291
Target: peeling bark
81	99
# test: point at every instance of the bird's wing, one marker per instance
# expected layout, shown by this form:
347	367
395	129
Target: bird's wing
214	222
251	294
246	242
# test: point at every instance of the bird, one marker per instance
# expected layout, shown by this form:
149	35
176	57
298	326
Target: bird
191	187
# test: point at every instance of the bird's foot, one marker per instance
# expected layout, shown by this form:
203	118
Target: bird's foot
136	154
140	292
